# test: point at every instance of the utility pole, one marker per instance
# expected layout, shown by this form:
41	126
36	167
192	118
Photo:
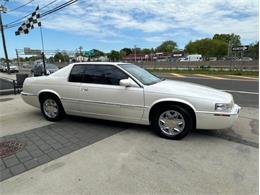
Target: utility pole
3	10
135	52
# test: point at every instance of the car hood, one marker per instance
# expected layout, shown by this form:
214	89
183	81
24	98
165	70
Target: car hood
185	89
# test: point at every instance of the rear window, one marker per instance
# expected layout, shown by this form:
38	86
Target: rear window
97	74
76	74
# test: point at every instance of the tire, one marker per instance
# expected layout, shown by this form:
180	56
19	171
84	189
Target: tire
53	112
172	116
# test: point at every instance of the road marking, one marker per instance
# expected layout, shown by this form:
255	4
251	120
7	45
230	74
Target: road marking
209	76
243	77
244	92
178	75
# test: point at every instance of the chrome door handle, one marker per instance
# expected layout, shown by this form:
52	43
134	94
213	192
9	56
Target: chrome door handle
84	89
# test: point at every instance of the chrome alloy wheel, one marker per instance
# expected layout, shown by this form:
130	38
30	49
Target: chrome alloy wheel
50	108
171	122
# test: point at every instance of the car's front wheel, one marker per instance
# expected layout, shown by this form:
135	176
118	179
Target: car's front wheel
51	108
172	122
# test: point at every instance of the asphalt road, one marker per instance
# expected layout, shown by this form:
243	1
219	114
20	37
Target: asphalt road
245	92
5	84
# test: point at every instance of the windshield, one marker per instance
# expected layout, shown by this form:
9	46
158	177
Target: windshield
141	74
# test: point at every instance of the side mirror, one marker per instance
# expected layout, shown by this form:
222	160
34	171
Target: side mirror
128	83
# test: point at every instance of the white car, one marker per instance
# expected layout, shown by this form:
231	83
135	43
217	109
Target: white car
125	92
13	68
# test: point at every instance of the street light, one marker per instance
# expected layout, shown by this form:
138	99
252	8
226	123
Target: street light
3	10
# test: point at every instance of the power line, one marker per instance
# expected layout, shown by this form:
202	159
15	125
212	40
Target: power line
20	6
20	19
59	7
16	23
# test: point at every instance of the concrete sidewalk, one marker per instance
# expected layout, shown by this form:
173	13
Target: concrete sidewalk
8	76
136	161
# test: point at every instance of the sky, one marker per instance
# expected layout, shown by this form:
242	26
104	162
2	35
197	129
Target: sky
114	24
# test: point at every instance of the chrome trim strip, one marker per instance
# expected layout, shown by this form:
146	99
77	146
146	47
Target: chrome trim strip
27	94
106	103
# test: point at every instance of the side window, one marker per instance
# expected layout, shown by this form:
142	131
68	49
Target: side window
103	74
76	74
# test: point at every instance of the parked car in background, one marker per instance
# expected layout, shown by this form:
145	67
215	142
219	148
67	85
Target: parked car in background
126	92
1	67
38	69
13	68
192	58
246	59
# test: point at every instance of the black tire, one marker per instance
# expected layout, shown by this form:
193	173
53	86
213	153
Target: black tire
60	114
185	114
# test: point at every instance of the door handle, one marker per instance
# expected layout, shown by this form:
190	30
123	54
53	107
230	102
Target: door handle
84	89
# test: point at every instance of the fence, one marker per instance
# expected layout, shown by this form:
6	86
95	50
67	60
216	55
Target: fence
231	65
228	65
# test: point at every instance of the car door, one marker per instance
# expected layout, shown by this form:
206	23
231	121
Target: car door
103	97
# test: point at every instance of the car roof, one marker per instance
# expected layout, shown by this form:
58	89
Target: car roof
99	63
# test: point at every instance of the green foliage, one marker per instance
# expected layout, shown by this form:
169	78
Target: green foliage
125	52
146	51
114	55
207	48
61	57
98	53
167	46
253	51
231	39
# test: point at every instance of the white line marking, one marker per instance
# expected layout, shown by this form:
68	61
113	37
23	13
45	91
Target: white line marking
243	77
210	76
245	92
178	75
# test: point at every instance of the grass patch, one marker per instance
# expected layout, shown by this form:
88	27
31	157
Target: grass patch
207	71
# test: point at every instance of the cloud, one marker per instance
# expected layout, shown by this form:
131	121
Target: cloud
155	20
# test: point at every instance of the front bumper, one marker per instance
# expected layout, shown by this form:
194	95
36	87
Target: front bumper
217	120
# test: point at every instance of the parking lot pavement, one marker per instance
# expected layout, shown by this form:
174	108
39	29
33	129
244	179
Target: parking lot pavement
136	161
16	116
125	158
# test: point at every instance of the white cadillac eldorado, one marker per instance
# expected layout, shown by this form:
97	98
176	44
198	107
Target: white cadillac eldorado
125	92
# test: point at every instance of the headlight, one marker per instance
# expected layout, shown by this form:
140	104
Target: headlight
48	72
222	107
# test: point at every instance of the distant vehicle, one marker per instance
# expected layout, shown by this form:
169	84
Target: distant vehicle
38	70
231	58
212	58
1	67
127	93
246	59
192	58
13	68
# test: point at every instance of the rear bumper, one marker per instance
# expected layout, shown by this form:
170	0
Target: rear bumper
217	120
30	99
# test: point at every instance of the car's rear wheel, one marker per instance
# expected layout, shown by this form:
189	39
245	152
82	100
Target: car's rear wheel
51	108
172	122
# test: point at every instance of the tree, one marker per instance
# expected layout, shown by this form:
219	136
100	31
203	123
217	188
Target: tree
232	39
61	57
146	51
125	51
167	46
207	48
98	53
253	51
114	55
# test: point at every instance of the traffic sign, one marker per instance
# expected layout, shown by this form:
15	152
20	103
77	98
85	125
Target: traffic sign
240	48
89	53
29	51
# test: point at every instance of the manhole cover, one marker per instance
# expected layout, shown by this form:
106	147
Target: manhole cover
10	147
